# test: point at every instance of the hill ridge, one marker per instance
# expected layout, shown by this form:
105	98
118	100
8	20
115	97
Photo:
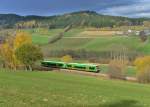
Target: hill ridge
79	18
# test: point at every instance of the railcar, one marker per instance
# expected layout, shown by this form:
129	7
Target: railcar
53	64
83	67
73	66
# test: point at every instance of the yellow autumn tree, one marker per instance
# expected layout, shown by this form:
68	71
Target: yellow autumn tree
7	50
21	38
66	58
8	56
143	66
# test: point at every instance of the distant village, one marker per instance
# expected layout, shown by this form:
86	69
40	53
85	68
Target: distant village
129	32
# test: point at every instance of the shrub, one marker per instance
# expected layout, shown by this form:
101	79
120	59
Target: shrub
116	69
143	66
144	77
66	58
143	36
28	54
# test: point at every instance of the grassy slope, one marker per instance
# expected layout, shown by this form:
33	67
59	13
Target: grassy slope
43	89
41	38
102	43
96	44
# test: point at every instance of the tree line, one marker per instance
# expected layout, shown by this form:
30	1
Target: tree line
82	18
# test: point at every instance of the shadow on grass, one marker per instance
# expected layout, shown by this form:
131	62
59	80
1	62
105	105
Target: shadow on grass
123	103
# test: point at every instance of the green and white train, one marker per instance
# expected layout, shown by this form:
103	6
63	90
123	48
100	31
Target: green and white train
72	66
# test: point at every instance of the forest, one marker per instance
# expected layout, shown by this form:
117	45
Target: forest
75	19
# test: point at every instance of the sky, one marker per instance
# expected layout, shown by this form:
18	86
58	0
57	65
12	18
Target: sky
128	8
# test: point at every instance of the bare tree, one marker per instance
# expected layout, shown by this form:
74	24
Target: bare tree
143	36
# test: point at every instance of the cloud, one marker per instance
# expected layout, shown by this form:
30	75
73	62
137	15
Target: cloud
139	9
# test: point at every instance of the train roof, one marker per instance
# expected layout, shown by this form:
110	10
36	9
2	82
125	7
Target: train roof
54	61
82	64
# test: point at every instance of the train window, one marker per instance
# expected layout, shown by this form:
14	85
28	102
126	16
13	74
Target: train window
80	67
60	65
92	68
52	64
69	66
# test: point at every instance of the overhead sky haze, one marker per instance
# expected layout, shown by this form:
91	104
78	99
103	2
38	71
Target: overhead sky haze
129	8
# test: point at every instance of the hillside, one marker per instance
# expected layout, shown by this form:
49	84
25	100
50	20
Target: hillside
84	43
82	18
41	89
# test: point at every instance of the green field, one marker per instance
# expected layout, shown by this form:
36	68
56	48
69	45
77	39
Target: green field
75	40
41	37
102	44
53	89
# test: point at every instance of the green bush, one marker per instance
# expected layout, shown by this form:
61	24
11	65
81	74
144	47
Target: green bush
28	54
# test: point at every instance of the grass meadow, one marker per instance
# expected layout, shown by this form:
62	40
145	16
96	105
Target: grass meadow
55	89
81	39
58	89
